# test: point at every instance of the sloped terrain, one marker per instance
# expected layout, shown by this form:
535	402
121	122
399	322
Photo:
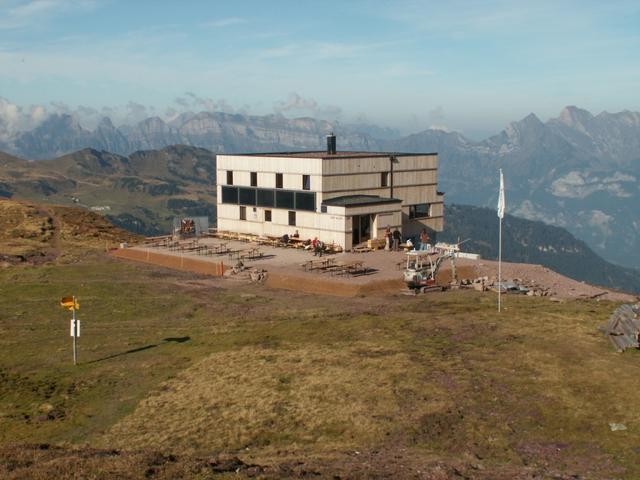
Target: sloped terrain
32	233
178	373
531	242
141	192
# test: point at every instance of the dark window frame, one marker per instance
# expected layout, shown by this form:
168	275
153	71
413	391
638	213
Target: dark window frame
254	179
229	177
267	215
279	180
384	179
271	198
243	212
305	198
292	215
415	214
226	191
286	199
247	196
306	182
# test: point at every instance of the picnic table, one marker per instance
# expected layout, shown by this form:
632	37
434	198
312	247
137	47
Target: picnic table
322	264
297	242
252	254
353	267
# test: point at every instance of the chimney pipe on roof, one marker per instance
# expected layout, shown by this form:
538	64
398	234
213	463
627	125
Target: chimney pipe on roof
331	144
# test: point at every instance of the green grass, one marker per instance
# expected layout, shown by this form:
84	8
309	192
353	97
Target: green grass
276	374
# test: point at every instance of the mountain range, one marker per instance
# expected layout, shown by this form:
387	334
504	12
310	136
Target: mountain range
579	171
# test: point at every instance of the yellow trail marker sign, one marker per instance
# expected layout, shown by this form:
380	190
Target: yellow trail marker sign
68	303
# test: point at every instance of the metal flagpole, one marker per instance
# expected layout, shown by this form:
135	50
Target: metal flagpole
500	265
501	205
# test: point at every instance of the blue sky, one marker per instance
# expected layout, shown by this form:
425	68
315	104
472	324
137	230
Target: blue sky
471	66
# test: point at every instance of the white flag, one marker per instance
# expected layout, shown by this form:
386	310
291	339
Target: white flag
501	197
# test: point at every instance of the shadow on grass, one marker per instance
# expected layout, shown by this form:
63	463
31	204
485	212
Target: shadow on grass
146	347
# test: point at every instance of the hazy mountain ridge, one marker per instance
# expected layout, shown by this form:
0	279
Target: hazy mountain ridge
218	132
566	172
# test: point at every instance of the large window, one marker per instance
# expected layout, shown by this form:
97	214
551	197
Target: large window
422	210
229	177
230	195
254	179
306	182
248	196
284	199
305	201
266	198
270	198
292	219
279	180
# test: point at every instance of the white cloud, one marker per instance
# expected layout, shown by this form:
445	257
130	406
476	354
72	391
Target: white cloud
298	105
24	14
14	118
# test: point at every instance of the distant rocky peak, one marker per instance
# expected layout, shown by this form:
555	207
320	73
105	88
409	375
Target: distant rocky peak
576	117
105	124
61	121
530	124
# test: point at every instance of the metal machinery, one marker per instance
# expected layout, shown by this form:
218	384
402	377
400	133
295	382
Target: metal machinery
423	265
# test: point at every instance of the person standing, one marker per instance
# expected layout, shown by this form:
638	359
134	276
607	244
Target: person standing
396	239
424	239
387	238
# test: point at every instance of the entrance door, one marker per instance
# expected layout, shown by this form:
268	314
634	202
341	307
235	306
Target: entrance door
361	227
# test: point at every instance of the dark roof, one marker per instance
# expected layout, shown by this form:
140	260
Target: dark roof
324	154
356	200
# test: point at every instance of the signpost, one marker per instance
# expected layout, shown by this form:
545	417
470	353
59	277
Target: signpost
71	303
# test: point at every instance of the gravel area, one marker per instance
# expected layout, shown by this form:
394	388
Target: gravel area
384	267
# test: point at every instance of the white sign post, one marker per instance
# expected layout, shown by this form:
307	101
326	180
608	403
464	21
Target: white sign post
75	328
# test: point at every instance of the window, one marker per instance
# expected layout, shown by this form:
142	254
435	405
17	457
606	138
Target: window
243	213
306	182
284	199
267	215
248	196
278	180
384	179
292	219
254	179
306	201
230	195
266	198
229	177
422	210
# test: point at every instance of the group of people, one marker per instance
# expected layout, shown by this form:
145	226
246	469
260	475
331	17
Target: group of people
317	246
393	238
392	241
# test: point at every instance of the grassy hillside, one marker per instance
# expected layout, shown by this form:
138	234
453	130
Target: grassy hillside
362	387
528	241
39	233
141	192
